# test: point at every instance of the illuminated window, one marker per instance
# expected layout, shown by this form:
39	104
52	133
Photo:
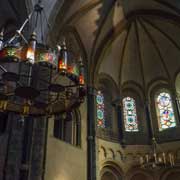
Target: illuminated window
165	112
100	110
130	116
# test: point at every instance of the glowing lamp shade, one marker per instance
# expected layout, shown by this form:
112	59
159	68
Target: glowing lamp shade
73	69
81	73
81	80
62	65
63	58
30	55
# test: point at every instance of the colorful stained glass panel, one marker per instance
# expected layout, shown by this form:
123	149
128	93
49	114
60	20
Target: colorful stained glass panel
130	116
100	110
165	112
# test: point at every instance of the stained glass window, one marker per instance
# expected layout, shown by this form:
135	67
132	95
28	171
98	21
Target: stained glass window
130	115
100	109
165	112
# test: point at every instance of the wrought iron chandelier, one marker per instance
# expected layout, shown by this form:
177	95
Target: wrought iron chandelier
35	79
156	158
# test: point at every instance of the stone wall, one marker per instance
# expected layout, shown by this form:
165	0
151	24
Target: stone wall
126	160
65	161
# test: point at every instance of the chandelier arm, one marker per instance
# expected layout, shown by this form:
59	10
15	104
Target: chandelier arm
19	32
22	36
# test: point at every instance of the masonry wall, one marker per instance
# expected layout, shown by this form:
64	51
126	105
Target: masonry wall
65	161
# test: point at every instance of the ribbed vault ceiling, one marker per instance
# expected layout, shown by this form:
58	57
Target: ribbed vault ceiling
147	50
131	40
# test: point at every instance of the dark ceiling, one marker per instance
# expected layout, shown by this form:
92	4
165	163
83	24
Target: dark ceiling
12	14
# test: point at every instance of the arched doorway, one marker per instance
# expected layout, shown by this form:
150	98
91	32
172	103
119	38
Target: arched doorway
139	174
108	176
111	172
173	174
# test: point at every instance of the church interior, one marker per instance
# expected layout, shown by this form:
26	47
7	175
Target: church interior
89	90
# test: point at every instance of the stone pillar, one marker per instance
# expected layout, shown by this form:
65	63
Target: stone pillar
36	169
91	149
120	122
3	148
14	149
149	121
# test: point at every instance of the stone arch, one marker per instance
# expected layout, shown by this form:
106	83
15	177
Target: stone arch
120	155
157	83
138	174
103	151
177	85
171	174
111	171
111	82
134	87
111	153
154	90
110	91
134	91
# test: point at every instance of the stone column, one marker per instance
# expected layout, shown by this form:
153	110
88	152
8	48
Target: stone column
91	148
149	121
120	122
36	169
14	149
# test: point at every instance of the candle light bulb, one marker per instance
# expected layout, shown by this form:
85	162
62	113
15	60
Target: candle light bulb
155	157
160	160
164	158
147	158
141	160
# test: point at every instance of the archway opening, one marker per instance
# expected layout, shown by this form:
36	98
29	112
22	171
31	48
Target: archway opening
173	176
108	176
111	173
